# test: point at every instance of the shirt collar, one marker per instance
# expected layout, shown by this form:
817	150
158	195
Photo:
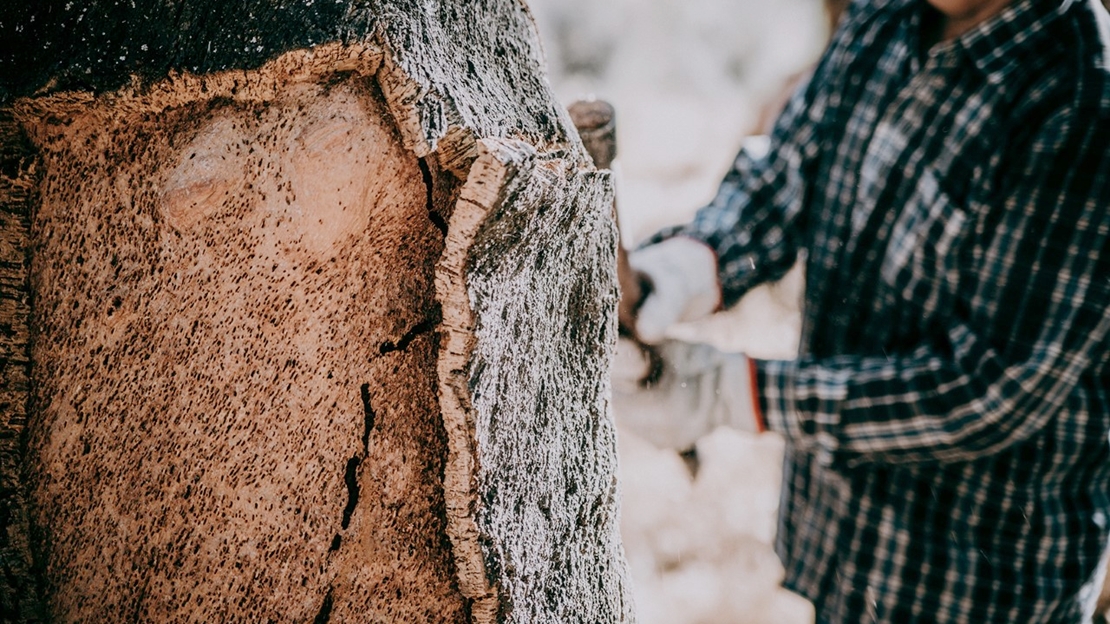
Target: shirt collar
999	45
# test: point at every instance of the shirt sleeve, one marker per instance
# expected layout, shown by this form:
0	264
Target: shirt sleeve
1030	346
753	221
756	222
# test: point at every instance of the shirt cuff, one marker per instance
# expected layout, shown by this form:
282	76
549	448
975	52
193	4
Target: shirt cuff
800	403
757	407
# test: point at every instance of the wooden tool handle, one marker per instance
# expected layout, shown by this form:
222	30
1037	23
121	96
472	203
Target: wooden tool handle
596	124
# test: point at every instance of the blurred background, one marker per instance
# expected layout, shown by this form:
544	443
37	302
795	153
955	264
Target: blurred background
689	80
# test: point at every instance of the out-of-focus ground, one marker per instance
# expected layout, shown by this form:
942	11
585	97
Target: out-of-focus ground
687	78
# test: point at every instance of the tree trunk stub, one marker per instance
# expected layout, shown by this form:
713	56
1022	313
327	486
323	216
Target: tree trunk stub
319	330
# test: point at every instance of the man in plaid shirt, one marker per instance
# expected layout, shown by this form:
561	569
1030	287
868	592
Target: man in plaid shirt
947	171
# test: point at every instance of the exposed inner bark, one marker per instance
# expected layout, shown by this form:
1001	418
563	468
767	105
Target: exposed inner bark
322	332
235	389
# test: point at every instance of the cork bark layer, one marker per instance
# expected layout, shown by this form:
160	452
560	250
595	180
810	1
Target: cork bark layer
324	337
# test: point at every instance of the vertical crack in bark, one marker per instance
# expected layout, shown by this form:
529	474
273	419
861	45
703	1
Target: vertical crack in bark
368	419
324	615
351	479
424	327
437	219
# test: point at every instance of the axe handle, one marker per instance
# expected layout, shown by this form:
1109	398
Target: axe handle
595	121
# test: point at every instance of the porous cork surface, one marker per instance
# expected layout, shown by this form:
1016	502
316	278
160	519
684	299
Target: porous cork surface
235	397
320	337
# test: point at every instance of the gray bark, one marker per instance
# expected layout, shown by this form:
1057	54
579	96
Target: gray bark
222	407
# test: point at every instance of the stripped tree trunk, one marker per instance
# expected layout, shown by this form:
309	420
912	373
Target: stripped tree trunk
307	318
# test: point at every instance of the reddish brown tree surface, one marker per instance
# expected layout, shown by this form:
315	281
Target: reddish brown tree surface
305	319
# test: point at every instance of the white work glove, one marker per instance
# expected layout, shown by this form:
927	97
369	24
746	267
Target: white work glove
699	390
684	287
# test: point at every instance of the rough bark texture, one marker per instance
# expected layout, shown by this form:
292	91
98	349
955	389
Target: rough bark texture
546	472
318	334
20	598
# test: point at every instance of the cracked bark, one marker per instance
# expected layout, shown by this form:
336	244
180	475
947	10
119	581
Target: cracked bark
426	326
388	404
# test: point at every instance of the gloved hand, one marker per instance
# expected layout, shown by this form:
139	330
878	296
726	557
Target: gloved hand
683	285
699	390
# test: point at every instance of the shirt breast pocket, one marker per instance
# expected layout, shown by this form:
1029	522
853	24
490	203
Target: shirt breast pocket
920	263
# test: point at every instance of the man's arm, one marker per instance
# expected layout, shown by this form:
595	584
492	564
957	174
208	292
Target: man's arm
756	222
964	395
746	236
751	225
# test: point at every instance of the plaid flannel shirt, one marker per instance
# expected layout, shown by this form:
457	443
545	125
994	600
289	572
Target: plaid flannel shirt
947	416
